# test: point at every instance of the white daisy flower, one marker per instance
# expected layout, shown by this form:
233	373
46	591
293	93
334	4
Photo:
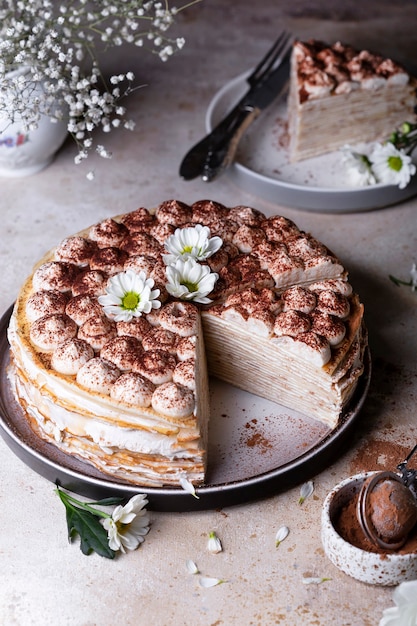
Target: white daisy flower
391	166
358	167
192	242
128	525
129	295
405	609
188	280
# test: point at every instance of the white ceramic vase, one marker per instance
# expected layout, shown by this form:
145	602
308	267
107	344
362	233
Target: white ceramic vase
25	152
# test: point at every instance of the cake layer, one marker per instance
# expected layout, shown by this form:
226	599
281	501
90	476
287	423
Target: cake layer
339	95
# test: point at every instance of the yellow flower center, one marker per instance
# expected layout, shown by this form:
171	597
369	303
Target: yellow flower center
395	163
192	287
130	301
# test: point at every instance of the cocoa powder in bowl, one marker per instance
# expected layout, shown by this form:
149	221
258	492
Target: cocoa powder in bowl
347	525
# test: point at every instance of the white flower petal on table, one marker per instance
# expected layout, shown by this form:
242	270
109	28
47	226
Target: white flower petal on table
306	491
207	581
282	534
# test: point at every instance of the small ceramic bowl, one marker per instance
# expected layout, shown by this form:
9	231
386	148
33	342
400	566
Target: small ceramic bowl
368	567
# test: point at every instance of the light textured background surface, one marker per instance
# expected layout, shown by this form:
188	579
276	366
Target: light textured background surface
44	581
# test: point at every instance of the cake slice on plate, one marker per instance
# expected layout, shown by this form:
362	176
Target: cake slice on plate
339	95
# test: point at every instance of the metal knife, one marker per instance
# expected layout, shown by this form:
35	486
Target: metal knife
216	151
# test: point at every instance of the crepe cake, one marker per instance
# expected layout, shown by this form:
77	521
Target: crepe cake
339	95
132	397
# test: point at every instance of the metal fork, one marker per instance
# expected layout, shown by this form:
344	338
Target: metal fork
275	53
195	161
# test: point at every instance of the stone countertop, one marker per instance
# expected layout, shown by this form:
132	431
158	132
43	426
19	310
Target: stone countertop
45	580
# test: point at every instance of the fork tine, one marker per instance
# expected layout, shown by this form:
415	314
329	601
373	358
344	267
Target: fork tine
270	57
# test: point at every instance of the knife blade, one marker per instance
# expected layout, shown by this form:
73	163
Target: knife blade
216	151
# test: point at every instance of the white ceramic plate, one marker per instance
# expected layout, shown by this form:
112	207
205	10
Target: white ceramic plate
262	167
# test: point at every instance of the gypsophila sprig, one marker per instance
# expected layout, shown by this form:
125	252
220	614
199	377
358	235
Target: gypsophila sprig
106	533
60	46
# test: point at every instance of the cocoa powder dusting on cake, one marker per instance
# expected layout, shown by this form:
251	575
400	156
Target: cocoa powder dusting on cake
108	233
109	260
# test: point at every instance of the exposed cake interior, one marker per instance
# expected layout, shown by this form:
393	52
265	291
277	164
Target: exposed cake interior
339	95
131	396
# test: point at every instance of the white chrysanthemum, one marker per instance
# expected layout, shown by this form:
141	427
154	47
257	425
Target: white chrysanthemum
191	242
188	280
391	166
128	525
405	611
129	295
358	167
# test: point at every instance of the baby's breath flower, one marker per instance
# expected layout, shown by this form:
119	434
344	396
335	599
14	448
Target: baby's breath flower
52	39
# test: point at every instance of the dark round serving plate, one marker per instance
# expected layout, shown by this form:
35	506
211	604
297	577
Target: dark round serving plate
256	447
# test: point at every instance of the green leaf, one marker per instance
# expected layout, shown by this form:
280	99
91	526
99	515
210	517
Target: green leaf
92	534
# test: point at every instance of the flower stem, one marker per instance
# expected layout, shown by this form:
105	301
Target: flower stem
70	501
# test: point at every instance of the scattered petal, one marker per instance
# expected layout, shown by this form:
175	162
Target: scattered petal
208	581
310	580
188	486
306	491
214	545
191	567
282	534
